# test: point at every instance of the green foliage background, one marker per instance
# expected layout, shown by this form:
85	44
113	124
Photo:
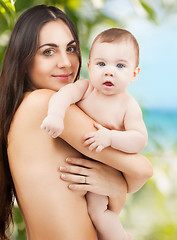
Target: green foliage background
151	213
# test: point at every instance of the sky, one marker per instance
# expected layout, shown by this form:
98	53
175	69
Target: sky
156	86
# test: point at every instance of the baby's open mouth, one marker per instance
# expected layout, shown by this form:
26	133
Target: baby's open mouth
108	84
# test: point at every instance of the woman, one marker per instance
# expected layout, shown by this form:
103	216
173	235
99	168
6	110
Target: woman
42	56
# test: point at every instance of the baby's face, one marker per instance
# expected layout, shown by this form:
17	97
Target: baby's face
112	66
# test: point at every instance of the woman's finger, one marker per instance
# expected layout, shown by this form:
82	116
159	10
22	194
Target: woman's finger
74	178
80	187
82	162
74	169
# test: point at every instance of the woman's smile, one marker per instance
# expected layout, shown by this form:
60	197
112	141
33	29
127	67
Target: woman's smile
62	77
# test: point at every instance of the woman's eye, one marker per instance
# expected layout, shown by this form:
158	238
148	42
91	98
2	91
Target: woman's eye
101	64
120	65
49	52
71	49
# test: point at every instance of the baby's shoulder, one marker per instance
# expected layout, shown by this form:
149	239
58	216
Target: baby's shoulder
133	106
130	100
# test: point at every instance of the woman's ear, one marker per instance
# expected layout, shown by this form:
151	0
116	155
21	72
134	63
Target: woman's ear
135	73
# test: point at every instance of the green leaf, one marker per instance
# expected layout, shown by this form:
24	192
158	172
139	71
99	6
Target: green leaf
73	4
149	10
8	12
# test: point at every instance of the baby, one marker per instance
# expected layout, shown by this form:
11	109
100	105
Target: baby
113	64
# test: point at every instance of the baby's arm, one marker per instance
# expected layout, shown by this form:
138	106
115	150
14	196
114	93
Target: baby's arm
58	104
135	137
132	140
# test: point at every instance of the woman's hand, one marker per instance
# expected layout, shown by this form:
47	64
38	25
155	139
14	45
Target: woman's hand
88	175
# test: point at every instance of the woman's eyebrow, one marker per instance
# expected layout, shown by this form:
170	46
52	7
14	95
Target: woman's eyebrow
55	45
49	44
73	41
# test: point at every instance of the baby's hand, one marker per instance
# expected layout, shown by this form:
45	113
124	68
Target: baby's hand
99	139
53	126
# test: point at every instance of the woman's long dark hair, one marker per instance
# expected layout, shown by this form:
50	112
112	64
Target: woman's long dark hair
14	82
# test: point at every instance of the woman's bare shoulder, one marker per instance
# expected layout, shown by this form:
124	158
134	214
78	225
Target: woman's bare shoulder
37	98
30	113
40	93
34	105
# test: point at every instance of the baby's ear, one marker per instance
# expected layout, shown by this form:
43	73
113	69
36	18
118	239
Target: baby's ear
135	73
88	64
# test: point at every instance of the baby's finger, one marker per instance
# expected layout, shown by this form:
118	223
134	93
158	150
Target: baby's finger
43	126
97	125
89	141
93	146
99	148
55	134
50	132
47	129
89	135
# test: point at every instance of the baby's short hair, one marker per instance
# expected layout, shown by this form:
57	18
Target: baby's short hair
117	34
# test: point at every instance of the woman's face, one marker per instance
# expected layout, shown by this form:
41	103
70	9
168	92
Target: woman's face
56	62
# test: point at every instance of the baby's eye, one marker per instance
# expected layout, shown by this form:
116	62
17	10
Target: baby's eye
101	64
49	52
120	65
71	49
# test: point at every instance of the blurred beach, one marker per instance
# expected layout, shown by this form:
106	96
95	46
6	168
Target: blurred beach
162	129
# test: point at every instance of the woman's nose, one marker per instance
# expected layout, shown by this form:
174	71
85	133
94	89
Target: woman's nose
64	61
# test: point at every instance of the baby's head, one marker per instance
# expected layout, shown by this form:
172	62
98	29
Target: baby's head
113	61
118	35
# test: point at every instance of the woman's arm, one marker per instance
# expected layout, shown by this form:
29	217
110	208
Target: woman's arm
136	168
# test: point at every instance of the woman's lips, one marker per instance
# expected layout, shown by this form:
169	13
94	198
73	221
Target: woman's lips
62	77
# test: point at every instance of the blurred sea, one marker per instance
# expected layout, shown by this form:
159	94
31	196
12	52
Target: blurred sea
162	129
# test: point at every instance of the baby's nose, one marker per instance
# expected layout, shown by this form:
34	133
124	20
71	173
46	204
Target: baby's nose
109	73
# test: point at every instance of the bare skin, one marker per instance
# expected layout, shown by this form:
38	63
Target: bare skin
34	158
112	66
49	208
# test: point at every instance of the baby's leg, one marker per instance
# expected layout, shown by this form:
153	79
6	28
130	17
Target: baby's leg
106	222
